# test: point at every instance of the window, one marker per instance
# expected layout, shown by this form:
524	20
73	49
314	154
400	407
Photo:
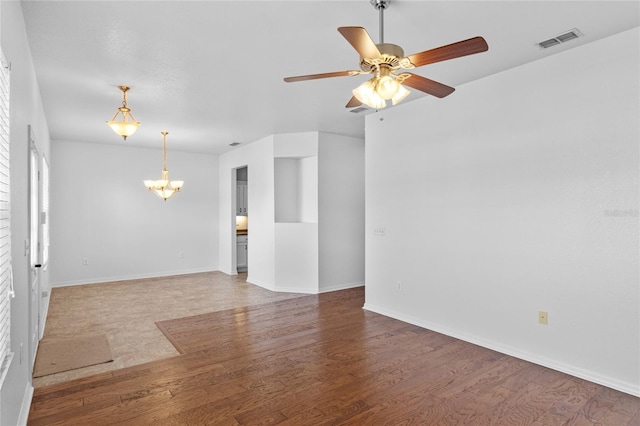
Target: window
6	278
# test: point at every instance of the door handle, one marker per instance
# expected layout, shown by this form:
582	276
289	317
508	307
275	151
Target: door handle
37	265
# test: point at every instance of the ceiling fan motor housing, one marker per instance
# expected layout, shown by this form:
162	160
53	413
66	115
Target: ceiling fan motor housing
390	54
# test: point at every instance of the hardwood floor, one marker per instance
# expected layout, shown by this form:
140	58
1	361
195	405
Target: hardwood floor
323	360
126	311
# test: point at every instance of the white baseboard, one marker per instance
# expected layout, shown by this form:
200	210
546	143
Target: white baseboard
280	289
337	287
324	289
259	283
625	387
130	277
296	290
26	406
229	272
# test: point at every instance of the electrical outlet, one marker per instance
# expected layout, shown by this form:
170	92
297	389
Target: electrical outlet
379	231
543	317
399	285
85	261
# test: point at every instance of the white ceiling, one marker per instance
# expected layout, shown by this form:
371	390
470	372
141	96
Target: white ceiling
210	72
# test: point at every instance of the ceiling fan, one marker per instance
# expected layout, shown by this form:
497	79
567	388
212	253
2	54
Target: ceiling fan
386	62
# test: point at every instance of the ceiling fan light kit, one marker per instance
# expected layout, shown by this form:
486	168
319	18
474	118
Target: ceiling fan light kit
128	125
385	60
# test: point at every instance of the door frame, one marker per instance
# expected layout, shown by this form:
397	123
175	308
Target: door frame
34	238
234	209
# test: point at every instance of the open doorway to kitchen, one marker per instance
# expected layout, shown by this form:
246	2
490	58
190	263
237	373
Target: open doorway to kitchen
242	219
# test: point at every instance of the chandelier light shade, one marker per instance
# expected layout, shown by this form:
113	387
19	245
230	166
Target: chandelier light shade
367	94
400	95
127	125
383	87
163	187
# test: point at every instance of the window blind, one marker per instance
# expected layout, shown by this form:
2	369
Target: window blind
6	278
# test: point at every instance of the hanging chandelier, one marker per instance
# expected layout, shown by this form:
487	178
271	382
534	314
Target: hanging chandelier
163	187
128	124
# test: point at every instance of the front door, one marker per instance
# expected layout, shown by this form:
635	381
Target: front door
33	248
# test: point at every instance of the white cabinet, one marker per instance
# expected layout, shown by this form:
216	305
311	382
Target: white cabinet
241	199
243	244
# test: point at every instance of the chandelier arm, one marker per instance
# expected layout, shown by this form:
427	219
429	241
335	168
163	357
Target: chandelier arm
131	115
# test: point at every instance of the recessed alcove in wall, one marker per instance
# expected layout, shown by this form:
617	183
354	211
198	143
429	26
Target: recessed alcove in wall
296	190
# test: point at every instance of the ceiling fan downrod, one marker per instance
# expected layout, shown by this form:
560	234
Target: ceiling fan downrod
380	6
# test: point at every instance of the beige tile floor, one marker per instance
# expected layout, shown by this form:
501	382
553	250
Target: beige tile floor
126	311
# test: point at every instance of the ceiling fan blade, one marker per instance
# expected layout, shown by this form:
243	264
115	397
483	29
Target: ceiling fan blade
450	51
316	76
353	102
361	41
428	86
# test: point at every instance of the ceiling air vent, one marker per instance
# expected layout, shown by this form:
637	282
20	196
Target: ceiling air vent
359	110
560	38
234	144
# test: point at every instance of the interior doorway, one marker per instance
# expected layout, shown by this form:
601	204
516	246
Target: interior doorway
242	218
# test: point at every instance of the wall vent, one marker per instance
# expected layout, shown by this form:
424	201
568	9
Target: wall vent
359	110
560	38
234	144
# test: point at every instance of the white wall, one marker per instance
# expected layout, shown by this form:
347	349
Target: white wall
293	254
296	242
296	257
258	156
263	245
517	194
308	189
340	211
26	109
101	211
286	179
295	145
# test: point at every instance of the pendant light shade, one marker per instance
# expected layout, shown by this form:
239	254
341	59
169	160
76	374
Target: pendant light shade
127	125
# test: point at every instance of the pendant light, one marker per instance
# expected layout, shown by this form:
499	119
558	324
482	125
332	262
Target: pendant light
128	124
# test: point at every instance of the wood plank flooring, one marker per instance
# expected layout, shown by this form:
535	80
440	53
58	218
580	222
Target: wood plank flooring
323	360
126	311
